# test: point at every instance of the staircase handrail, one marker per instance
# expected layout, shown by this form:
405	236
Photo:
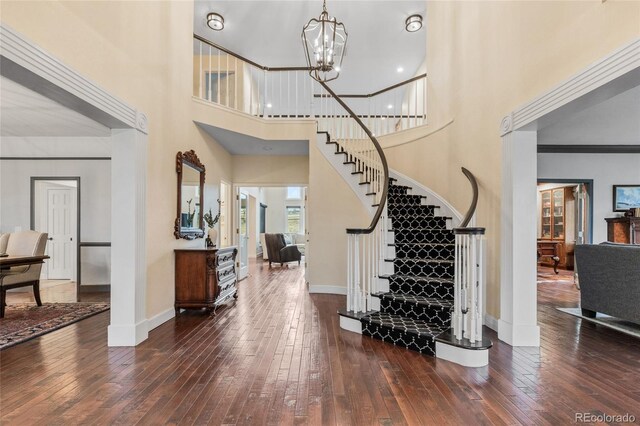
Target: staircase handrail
383	160
379	92
474	202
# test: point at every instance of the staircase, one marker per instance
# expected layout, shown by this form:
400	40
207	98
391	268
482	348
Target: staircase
418	306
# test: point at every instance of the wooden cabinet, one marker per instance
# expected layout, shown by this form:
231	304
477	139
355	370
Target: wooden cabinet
623	230
552	214
205	278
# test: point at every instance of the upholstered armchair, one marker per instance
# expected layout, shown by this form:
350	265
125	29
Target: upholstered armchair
26	243
279	252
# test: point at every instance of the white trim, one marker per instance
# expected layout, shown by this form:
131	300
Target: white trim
518	301
16	48
462	356
605	70
161	318
350	324
127	335
491	322
328	289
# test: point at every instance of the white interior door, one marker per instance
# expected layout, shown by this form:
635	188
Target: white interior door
61	227
243	235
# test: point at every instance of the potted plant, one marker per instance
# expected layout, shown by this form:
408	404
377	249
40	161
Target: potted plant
212	235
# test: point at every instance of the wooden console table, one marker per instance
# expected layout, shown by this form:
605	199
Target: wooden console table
623	230
205	278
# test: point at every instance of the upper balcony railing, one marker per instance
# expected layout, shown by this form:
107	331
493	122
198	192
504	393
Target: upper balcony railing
228	79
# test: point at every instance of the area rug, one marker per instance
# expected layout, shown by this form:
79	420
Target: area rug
614	323
25	321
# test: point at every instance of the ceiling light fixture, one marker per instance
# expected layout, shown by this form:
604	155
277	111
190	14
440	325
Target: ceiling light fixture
215	21
400	69
325	41
413	23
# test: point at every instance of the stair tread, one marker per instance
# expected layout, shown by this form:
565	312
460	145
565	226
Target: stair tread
418	300
418	278
417	259
404	324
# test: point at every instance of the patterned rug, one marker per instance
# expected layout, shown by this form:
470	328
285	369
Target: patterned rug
25	321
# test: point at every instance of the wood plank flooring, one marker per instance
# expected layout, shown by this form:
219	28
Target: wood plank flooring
278	356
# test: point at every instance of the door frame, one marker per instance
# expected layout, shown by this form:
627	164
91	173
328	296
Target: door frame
236	238
32	214
589	183
613	74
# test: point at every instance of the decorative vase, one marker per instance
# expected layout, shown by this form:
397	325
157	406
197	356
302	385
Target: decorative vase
213	236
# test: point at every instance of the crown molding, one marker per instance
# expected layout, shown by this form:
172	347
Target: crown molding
19	54
605	70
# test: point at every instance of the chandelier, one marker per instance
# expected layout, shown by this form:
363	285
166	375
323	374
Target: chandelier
324	40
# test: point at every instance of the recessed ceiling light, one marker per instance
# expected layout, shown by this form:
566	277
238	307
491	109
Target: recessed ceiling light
215	21
413	23
400	69
269	105
389	106
337	69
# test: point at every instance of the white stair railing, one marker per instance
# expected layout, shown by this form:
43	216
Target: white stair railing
468	309
468	284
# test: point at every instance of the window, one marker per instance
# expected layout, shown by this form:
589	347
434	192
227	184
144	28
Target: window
294	219
294	193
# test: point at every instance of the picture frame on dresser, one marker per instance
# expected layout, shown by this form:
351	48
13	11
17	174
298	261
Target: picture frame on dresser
626	197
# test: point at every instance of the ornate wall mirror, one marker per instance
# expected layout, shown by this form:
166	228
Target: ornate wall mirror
189	223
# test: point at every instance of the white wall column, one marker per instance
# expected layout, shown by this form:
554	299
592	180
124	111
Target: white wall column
518	299
128	249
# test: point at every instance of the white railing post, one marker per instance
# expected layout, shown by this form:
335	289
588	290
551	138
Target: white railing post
468	284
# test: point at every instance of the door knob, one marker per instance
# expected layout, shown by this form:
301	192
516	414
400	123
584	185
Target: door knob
50	238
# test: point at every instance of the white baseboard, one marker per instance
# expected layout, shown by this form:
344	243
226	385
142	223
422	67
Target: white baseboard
491	322
328	289
519	334
160	318
127	335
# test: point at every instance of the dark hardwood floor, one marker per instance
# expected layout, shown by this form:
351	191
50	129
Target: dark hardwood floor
278	356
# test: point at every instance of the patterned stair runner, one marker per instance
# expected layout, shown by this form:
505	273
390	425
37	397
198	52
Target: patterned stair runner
418	306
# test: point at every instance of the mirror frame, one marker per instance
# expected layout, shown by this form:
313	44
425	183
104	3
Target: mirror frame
191	159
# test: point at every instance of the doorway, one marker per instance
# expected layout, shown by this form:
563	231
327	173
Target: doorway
55	209
565	220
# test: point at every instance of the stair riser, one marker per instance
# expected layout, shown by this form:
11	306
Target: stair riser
398	210
423	236
436	252
404	199
423	268
420	312
424	345
427	289
428	222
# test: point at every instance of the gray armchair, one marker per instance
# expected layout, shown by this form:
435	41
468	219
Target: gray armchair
26	243
279	252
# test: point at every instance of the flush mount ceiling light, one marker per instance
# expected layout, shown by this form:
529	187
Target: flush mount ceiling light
324	40
215	21
413	23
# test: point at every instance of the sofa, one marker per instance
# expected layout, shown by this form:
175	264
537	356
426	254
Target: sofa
609	280
279	251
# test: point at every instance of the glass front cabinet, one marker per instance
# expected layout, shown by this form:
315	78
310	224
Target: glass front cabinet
552	214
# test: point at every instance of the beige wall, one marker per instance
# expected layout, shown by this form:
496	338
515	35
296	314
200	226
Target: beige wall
140	52
270	169
484	60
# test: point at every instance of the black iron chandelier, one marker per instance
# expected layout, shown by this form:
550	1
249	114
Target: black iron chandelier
324	40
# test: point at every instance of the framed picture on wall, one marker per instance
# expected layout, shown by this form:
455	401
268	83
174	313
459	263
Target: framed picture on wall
626	197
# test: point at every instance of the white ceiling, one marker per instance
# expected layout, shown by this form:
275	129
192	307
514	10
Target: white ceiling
239	144
269	33
24	112
615	121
